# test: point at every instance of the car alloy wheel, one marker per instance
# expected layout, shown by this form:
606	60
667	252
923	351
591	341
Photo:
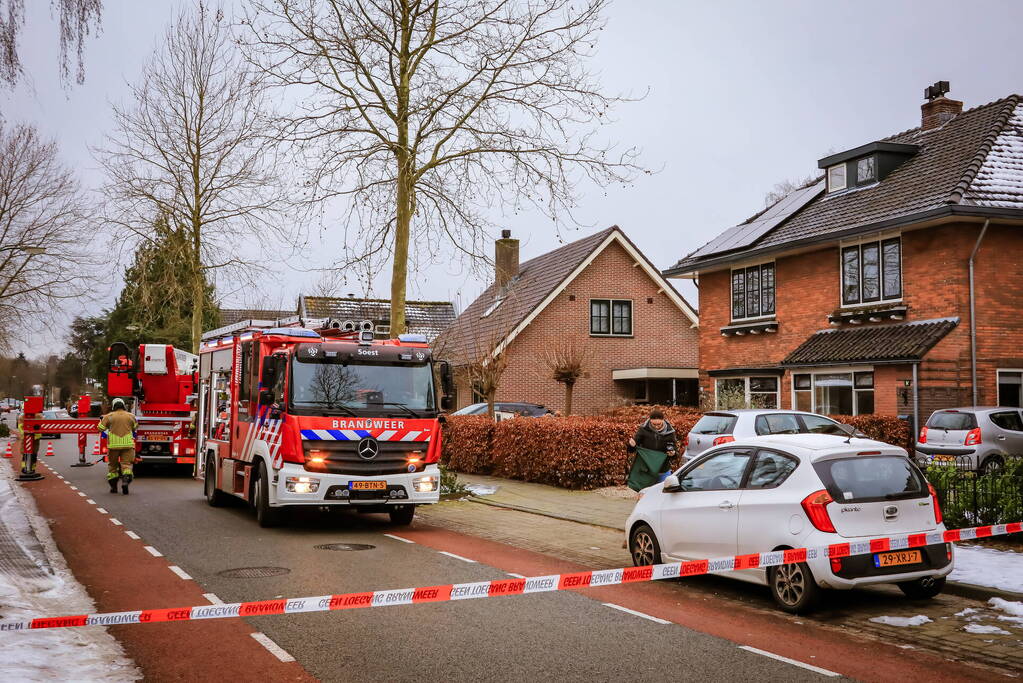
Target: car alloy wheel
790	583
644	548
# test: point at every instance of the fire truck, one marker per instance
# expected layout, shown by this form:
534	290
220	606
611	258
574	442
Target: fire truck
157	383
298	413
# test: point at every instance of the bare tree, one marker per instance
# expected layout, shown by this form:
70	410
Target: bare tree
482	368
787	187
428	115
564	361
192	149
77	18
44	231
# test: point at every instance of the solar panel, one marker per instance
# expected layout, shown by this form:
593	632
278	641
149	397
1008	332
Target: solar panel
745	234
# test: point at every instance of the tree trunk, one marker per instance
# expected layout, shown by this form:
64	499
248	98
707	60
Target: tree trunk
490	404
569	386
403	216
198	288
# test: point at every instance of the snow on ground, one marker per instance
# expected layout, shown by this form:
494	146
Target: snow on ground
481	489
988	567
918	620
981	629
60	654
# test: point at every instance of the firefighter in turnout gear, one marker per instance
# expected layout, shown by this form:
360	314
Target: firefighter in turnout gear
119	427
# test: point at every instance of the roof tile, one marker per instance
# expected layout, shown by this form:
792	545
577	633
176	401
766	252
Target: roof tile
873	344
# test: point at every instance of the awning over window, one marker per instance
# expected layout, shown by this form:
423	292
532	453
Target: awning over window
905	342
655	373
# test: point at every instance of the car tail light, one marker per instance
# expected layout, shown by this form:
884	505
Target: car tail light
923	435
836	565
816	507
934	502
948	551
723	439
972	437
687	440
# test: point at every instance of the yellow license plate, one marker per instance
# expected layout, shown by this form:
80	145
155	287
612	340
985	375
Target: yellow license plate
897	558
368	485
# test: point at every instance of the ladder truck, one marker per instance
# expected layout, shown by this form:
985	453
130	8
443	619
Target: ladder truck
320	413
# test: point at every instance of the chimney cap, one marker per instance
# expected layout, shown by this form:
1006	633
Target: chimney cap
933	92
505	234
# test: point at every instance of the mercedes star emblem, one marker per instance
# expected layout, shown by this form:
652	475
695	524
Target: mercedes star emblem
368	448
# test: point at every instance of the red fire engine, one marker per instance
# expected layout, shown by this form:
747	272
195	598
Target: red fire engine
319	413
157	383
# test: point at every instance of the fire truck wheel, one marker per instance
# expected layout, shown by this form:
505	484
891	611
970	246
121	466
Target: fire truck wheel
214	496
265	515
402	514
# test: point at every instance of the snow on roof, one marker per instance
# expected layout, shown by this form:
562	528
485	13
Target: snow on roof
999	181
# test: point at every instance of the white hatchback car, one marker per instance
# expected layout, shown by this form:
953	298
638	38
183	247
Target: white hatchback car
779	492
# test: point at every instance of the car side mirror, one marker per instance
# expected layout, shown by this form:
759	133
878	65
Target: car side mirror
446	402
671	484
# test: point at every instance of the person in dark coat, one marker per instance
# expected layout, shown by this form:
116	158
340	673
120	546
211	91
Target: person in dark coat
656	434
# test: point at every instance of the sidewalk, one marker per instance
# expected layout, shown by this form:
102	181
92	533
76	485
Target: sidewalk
34	580
980	572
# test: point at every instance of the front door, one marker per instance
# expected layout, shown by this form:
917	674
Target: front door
701	521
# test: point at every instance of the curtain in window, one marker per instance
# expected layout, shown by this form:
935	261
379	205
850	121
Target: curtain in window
600	317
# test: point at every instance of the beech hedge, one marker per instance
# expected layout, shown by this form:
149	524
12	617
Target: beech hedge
588	452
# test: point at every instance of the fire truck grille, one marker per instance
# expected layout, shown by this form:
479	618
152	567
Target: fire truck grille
342	457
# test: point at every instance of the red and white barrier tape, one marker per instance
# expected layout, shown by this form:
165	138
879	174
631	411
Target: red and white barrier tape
536	584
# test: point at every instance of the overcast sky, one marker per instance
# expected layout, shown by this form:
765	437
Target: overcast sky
742	94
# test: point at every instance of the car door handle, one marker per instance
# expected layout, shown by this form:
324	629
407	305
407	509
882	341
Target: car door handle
1001	438
726	505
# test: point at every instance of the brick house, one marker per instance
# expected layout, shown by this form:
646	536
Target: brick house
600	293
854	294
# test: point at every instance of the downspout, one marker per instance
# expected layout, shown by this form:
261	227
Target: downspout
916	401
973	315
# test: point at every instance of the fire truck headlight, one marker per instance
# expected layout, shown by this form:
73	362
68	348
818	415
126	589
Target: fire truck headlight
301	484
425	484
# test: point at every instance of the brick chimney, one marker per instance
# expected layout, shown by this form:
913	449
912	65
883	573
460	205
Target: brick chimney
506	259
938	109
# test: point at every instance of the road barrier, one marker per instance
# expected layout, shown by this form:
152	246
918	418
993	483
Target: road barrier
507	587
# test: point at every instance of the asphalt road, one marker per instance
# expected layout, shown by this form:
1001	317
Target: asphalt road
563	635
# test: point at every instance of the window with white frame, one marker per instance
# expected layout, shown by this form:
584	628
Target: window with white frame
834	393
752	392
872	272
1010	388
836	177
753	291
611	317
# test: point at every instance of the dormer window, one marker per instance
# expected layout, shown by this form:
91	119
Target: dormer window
866	170
864	165
836	178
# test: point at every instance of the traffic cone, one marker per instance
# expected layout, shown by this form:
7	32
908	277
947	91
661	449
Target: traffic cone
9	453
49	449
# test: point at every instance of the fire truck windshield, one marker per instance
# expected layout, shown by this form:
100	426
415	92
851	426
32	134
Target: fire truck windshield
324	387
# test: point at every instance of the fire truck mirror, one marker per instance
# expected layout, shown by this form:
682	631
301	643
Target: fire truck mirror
447	381
269	374
266	397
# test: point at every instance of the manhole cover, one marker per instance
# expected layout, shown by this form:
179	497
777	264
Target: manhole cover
344	546
253	572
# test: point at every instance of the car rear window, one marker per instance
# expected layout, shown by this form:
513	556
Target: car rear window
948	419
714	423
864	479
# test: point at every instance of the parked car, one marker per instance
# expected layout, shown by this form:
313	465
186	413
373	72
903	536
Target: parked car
722	426
54	414
778	492
980	438
512	409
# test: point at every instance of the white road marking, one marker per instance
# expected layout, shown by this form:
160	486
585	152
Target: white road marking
793	662
81	494
214	600
73	488
102	511
133	536
399	538
635	613
517	576
180	572
275	649
90	501
457	557
115	521
153	551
